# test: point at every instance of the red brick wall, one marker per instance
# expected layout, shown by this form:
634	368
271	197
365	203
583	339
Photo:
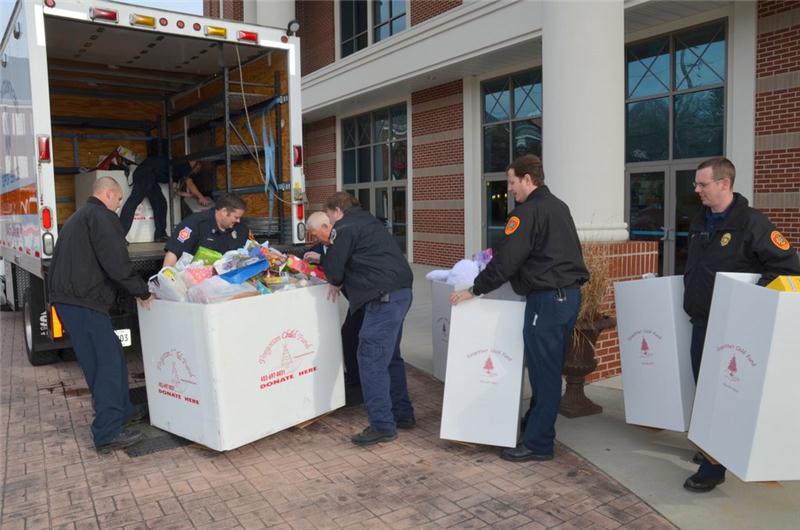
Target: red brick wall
628	261
316	34
211	8
422	10
777	157
438	174
231	9
319	148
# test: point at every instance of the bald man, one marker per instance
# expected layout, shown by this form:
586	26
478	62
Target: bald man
319	227
89	264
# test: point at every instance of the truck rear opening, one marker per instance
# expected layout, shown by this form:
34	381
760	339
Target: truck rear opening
83	77
218	90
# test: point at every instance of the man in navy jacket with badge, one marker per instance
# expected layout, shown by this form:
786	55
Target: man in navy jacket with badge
220	228
726	235
364	260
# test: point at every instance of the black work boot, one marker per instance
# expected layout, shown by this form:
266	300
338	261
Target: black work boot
369	436
125	438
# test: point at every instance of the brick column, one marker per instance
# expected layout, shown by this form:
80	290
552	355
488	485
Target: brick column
437	136
777	152
319	146
317	34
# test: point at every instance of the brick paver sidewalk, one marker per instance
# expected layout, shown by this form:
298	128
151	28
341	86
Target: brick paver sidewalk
310	478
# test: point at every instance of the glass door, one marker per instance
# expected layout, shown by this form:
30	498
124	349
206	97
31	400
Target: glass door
646	210
687	204
661	203
496	205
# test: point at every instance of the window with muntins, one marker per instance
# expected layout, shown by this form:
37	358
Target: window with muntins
675	95
375	165
511	127
353	20
365	22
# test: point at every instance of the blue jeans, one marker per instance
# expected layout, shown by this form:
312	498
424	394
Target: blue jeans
707	469
102	360
549	320
380	366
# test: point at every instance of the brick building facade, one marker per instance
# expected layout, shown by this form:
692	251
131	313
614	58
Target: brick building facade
777	168
444	117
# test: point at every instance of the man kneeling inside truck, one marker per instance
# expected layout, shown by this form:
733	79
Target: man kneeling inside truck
89	262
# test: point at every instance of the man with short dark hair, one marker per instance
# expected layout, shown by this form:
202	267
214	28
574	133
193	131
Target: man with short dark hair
220	228
726	235
541	256
364	260
89	263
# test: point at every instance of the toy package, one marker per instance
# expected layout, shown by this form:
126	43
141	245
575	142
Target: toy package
211	277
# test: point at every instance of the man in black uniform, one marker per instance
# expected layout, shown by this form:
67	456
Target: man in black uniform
147	180
726	235
542	257
89	262
319	229
364	260
220	228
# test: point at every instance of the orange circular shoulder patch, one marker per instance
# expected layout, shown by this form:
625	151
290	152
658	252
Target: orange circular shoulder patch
512	225
777	239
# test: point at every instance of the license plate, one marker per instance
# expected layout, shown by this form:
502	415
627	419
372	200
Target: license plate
124	336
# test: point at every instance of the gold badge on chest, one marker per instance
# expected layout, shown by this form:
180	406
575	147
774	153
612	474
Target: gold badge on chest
726	238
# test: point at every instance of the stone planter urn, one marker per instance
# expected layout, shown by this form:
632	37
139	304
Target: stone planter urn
580	362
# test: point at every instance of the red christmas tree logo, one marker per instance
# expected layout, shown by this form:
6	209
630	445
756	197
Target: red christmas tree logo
645	347
286	358
732	366
488	366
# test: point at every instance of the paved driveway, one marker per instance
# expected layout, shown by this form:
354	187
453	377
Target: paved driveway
300	478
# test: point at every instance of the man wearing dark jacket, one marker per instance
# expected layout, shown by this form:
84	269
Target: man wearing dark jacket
364	260
147	180
726	235
541	255
90	261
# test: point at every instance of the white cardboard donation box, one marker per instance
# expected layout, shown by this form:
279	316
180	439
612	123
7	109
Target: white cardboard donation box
655	337
440	322
484	373
227	374
747	408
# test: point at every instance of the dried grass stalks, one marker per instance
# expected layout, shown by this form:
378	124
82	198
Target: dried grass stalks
594	291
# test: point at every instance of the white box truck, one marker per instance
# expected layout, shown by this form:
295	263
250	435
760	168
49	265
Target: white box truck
78	78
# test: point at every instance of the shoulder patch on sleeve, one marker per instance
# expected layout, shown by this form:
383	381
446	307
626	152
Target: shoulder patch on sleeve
184	234
512	225
332	237
779	241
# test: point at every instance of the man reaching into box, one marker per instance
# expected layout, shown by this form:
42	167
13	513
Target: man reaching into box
726	235
365	260
319	228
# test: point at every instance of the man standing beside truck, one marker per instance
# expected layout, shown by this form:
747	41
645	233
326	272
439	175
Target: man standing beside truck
89	263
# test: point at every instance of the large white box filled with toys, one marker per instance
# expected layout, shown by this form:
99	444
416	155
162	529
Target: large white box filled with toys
240	346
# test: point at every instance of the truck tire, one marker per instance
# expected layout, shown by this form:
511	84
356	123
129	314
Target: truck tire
34	357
